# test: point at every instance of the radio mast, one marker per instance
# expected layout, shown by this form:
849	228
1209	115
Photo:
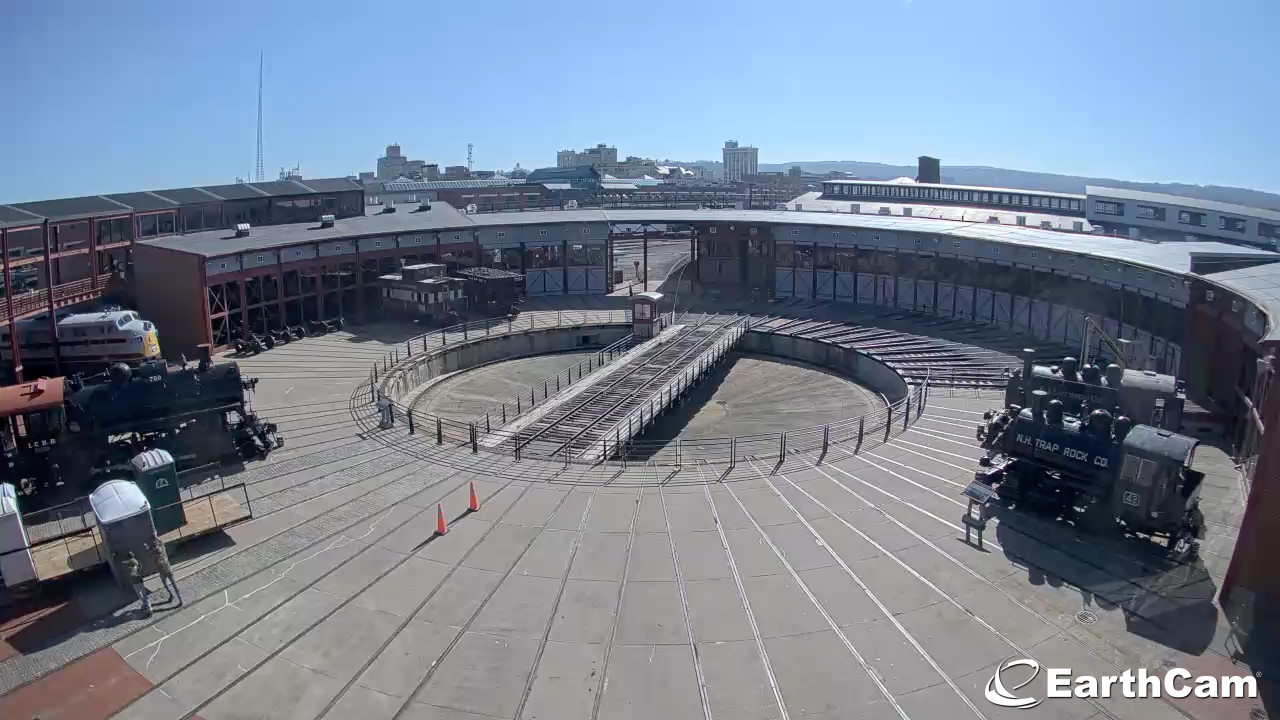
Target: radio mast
258	175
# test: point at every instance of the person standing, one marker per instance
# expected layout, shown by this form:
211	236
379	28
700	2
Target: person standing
134	572
162	564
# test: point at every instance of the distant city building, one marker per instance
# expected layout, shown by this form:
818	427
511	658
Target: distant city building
796	172
928	170
395	165
601	157
457	172
739	161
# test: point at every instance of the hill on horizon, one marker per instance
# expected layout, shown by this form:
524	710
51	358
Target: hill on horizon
1002	177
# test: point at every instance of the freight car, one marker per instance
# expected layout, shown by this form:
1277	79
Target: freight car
62	435
1043	457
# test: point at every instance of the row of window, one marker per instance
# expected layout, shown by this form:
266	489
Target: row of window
925	192
1123	304
1185	217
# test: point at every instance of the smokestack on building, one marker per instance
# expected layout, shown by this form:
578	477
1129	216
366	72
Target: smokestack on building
929	170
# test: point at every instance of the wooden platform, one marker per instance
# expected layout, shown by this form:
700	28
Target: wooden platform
85	550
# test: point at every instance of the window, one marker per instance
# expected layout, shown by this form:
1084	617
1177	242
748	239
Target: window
222	266
377	243
586	231
1186	217
875	238
712	230
259	260
542	232
955	244
1268	230
795	233
1150	212
501	234
337	248
1034	254
1230	224
297	253
835	233
1208	295
1173	284
917	241
147	226
417	240
1104	207
1235	306
995	249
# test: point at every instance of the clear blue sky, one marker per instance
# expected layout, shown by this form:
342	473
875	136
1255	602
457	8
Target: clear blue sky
117	96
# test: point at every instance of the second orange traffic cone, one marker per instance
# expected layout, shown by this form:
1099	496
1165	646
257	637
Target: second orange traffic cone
440	528
472	503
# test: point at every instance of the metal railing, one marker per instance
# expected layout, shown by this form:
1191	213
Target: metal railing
861	432
519	404
387	370
58	549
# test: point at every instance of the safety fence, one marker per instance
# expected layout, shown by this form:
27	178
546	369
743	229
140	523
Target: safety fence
851	435
65	539
389	373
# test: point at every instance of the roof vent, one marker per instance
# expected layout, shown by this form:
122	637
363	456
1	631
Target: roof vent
242	230
326	221
390	207
425	204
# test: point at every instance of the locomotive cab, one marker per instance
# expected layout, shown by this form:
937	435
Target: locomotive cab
31	422
1156	489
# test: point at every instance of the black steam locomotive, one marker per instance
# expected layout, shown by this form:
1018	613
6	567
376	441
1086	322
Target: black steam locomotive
1141	395
1044	457
62	434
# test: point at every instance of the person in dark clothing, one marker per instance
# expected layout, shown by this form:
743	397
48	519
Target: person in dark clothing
134	573
166	573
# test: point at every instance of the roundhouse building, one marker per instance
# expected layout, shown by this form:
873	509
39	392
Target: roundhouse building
1206	311
65	252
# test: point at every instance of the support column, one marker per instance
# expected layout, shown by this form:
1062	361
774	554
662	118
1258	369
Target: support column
645	260
49	306
8	303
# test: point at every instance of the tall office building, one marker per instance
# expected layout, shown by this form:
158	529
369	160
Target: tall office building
739	162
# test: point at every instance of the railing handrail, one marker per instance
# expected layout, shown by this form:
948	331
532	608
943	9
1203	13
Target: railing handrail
598	355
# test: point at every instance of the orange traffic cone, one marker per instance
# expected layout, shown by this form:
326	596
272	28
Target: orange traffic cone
440	528
473	504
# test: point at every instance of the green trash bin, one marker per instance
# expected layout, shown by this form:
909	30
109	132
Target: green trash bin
157	476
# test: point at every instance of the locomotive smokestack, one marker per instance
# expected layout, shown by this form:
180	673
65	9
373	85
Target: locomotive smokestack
1038	400
1028	360
204	355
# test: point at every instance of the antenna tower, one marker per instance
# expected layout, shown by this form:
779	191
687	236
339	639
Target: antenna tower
258	175
468	157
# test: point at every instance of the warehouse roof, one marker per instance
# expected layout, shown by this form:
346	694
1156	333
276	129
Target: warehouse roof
407	218
15	214
1179	200
1174	257
1259	284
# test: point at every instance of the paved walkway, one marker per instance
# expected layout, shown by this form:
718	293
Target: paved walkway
818	591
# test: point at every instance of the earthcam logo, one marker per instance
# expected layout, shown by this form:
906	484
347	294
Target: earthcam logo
1060	683
996	692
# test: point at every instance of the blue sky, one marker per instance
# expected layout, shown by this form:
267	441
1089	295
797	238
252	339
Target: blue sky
109	97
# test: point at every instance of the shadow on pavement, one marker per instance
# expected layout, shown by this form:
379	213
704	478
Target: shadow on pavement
1168	603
